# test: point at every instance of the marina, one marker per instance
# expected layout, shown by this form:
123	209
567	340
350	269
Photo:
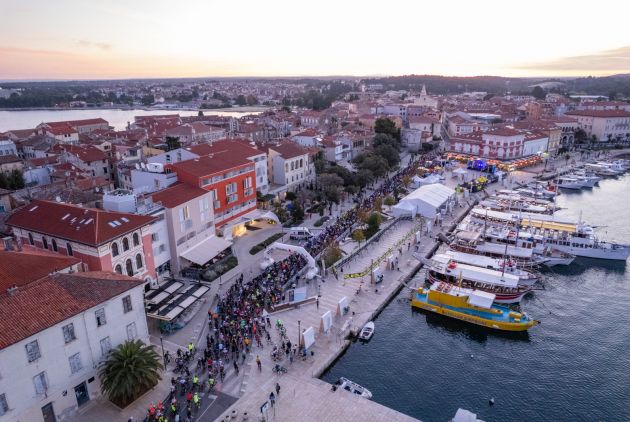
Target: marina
550	372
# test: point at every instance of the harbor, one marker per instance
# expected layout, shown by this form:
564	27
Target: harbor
420	365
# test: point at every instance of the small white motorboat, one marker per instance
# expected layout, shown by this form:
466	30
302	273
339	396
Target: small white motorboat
354	388
367	331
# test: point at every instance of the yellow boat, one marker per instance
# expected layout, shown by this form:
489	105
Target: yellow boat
474	306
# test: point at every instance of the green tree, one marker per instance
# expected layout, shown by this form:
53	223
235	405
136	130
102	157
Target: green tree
389	153
4	181
129	370
376	164
16	180
386	126
241	100
280	211
147	100
290	196
364	177
390	201
172	142
200	113
330	184
580	136
297	212
539	93
358	236
378	204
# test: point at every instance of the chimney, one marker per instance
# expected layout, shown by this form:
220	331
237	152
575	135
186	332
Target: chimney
12	290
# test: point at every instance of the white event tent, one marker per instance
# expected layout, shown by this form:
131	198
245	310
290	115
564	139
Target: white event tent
427	200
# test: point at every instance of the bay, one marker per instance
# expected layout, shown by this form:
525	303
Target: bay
118	118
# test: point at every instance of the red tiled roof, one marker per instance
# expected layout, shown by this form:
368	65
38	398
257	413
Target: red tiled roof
239	147
89	226
87	153
36	162
6	159
422	119
210	164
503	131
308	132
20	268
48	301
177	194
599	113
78	123
288	149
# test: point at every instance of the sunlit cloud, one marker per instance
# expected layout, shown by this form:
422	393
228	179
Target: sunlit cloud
603	62
92	44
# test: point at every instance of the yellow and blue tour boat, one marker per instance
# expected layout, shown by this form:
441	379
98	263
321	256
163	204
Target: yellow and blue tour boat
474	306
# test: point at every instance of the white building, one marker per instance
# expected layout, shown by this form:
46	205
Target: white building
7	147
603	124
55	332
427	201
288	165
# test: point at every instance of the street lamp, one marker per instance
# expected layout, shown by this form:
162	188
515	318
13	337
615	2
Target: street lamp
299	336
163	355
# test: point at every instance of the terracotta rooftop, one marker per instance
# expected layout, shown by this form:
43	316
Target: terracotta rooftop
210	164
177	194
55	298
20	268
237	146
288	149
89	226
599	113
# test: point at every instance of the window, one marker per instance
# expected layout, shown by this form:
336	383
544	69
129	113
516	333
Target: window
125	244
155	237
230	188
132	332
129	268
100	317
45	242
106	346
32	351
30	239
127	304
139	261
75	363
40	383
136	239
68	333
118	269
232	198
115	249
247	183
69	249
4	406
54	245
204	208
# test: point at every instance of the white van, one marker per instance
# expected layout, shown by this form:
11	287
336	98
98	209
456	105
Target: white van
300	233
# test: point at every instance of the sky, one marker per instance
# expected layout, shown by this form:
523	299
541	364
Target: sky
103	39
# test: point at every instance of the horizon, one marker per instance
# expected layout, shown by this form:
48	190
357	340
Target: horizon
163	40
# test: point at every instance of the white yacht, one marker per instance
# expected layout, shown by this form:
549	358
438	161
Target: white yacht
577	239
569	183
601	169
353	387
589	179
525	278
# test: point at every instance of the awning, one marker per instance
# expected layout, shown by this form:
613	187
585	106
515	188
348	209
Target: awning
206	250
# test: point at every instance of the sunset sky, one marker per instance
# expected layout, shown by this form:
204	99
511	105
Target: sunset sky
61	39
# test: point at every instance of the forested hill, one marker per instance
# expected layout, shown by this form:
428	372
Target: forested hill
617	84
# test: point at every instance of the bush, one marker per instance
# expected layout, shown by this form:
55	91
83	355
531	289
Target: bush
321	221
263	245
290	196
220	268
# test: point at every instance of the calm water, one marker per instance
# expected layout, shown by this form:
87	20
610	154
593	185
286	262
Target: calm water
575	366
117	118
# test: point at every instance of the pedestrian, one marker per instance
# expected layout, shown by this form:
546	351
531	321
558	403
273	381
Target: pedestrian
272	399
278	389
196	400
258	363
189	397
317	302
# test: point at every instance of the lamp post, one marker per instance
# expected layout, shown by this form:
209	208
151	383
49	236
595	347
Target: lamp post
299	336
163	355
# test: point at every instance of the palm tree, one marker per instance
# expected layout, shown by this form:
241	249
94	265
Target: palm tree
130	370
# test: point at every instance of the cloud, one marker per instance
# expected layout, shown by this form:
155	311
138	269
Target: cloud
31	52
92	44
608	61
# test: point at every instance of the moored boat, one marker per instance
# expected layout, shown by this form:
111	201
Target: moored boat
353	387
367	331
504	286
473	306
525	278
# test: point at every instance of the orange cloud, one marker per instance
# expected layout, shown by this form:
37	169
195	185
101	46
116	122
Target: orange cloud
603	62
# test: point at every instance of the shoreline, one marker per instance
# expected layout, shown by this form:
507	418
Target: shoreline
248	109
